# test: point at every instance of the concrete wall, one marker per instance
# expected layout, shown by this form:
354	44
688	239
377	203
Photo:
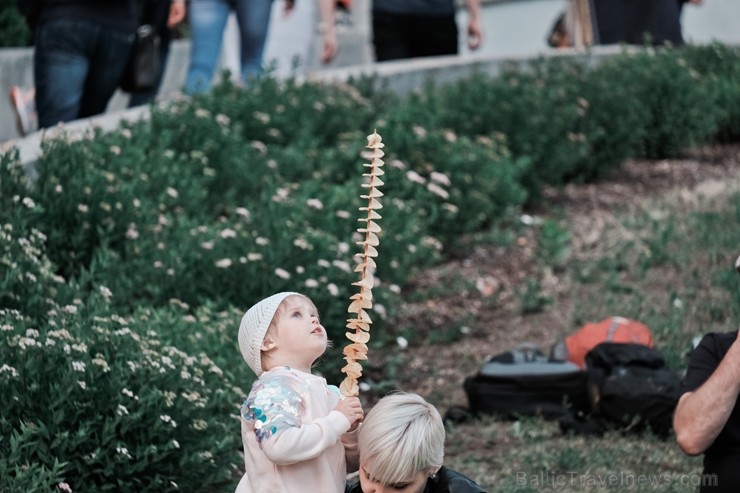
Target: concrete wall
401	76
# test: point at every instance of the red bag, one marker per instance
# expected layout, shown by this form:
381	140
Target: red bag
614	329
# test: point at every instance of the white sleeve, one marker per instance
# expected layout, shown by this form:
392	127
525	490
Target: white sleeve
307	441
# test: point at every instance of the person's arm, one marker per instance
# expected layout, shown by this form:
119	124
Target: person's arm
176	14
351	450
328	30
475	33
702	414
307	441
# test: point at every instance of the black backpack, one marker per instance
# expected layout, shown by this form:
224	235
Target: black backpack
526	382
630	387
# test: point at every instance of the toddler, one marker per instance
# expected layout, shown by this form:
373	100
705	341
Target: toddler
297	431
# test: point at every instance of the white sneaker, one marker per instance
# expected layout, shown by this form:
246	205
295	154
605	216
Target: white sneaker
23	101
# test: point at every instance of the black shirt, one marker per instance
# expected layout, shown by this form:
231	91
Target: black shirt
723	456
117	14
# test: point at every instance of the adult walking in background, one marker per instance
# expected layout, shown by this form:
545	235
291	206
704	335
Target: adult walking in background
419	28
81	50
207	20
655	22
165	15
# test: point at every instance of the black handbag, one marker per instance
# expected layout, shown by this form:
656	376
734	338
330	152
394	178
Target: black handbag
145	61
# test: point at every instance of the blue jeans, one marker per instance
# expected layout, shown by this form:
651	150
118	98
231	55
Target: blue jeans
207	20
77	65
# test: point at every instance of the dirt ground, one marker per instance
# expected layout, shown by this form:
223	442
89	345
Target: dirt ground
492	275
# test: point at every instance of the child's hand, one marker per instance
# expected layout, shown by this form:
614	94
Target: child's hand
352	409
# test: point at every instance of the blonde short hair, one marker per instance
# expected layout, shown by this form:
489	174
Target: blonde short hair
401	435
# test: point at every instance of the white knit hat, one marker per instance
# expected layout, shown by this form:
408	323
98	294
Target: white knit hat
254	326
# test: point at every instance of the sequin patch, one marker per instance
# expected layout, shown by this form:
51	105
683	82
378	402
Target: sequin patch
274	403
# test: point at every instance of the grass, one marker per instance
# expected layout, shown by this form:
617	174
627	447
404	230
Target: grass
669	265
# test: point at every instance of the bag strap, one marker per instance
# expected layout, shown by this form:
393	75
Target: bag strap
613	328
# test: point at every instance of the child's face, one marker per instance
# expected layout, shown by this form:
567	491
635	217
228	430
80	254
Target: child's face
299	336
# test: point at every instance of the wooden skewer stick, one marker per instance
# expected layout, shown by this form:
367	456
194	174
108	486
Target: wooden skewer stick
359	325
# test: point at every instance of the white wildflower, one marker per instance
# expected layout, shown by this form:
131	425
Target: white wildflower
302	243
224	263
333	289
437	190
259	146
440	178
415	177
315	203
199	424
70	309
99	361
64	487
419	131
105	292
342	265
123	451
263	117
282	273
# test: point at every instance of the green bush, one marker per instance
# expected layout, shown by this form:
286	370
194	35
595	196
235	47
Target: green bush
719	67
14	31
126	412
99	400
678	104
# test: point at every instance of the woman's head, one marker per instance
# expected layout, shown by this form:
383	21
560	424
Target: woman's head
401	444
